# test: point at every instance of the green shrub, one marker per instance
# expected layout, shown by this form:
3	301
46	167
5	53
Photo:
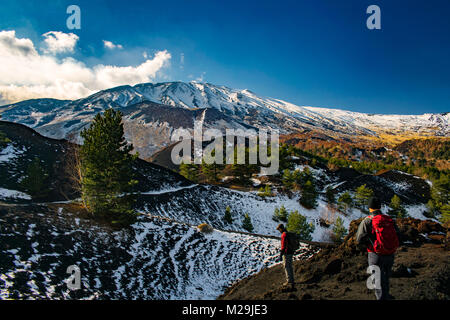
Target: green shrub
227	217
297	223
247	224
339	230
396	208
280	214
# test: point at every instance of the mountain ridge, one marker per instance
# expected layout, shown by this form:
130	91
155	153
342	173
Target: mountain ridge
229	108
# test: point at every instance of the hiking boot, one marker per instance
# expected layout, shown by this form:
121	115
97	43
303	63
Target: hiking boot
287	286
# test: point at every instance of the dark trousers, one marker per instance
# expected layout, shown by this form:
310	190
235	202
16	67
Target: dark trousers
385	264
287	263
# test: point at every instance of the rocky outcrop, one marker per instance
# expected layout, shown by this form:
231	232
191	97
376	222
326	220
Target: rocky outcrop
421	270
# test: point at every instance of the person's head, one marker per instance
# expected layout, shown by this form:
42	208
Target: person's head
374	204
281	228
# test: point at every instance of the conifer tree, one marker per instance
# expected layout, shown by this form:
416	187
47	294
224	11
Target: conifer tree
362	197
329	194
35	180
189	171
284	154
227	217
345	202
308	198
283	214
243	171
445	215
210	171
287	179
297	223
396	208
431	209
280	214
107	169
339	230
265	192
276	213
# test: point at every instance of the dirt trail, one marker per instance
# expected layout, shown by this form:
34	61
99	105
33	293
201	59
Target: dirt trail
421	270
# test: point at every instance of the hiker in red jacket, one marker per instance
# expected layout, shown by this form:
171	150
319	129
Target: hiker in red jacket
286	254
379	233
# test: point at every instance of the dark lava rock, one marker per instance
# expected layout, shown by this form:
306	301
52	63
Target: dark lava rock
333	267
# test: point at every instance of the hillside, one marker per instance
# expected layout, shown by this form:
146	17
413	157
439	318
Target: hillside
153	259
162	255
54	156
167	194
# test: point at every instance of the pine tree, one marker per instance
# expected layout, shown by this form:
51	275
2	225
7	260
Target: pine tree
287	179
107	169
247	224
280	214
345	202
227	217
265	192
284	160
339	230
331	197
297	179
297	223
440	192
189	171
276	213
283	214
396	208
35	181
244	171
308	198
362	197
305	176
445	217
210	171
431	209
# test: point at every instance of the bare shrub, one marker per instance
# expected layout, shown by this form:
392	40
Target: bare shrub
327	216
205	228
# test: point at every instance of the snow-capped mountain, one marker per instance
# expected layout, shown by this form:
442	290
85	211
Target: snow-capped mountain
153	111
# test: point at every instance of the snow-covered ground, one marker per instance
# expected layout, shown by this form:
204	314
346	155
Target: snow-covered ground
211	202
6	194
10	153
156	259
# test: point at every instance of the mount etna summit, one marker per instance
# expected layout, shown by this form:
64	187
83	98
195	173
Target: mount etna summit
153	111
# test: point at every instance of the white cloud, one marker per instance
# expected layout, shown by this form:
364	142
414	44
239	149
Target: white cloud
110	45
27	74
59	42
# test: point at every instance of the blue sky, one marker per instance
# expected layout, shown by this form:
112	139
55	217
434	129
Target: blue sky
316	53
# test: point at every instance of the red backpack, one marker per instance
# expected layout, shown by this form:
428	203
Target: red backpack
386	239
